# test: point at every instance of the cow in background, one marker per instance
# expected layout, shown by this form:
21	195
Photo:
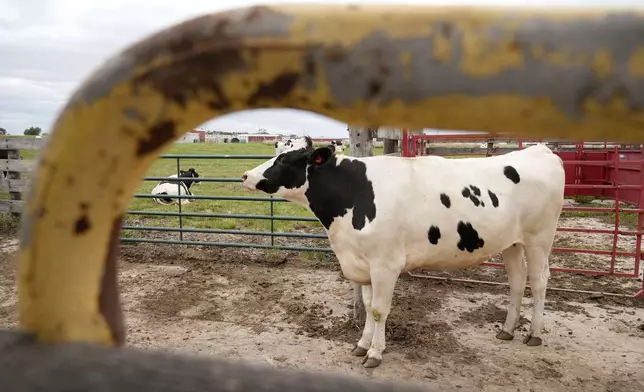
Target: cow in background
281	146
290	144
182	184
338	146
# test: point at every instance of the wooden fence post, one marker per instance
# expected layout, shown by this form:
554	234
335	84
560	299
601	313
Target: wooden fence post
11	163
390	146
361	144
14	195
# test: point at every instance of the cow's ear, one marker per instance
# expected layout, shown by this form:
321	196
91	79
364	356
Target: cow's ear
320	155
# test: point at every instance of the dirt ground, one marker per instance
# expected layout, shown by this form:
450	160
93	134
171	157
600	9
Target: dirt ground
288	310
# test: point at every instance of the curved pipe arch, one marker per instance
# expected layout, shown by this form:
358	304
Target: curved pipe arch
525	72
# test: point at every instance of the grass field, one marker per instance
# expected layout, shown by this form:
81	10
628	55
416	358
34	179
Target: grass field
220	168
233	168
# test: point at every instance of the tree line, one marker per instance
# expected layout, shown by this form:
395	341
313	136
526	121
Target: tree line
31	131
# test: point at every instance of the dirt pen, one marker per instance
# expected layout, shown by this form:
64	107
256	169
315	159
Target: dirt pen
286	307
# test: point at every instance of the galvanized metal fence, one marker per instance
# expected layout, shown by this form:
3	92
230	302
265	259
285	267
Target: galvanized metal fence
180	214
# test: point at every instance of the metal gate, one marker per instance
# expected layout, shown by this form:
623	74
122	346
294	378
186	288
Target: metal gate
609	171
272	234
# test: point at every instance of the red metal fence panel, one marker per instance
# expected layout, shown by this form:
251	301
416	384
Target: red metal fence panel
592	169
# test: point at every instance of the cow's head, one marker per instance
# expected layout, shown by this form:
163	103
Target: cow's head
286	174
189	173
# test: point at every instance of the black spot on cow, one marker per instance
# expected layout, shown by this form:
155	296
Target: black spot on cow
445	200
335	188
165	199
482	204
470	239
512	174
433	234
493	198
471	194
82	225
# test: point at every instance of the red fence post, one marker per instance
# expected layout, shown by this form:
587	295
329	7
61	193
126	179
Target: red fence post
616	232
405	141
640	221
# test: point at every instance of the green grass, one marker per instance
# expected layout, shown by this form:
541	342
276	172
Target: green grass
226	168
626	219
233	168
8	223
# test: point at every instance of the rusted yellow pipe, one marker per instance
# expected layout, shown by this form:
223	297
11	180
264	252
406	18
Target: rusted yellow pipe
576	75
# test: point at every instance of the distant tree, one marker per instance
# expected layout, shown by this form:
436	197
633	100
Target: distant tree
3	131
33	131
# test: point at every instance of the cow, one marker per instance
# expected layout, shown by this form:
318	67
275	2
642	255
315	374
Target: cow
281	146
339	146
170	187
385	215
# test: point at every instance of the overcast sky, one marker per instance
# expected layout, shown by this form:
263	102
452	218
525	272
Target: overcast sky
47	48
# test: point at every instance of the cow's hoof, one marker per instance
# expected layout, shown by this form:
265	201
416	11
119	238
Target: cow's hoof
504	336
359	351
532	341
371	362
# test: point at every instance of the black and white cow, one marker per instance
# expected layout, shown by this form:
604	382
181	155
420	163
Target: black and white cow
386	215
281	146
339	146
170	187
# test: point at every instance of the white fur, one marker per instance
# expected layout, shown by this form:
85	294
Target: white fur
339	148
290	144
301	142
407	198
171	190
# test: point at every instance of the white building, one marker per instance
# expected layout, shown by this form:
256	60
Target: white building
189	138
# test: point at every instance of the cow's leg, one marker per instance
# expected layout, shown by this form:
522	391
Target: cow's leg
537	254
515	267
367	333
359	308
383	282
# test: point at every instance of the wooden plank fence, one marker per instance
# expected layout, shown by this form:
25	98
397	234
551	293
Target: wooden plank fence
14	178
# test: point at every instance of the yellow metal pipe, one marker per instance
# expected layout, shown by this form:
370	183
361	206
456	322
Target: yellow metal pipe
571	74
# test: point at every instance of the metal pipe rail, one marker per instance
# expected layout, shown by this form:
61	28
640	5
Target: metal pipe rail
181	214
28	366
529	72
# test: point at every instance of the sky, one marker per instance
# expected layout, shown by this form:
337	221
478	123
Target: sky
48	47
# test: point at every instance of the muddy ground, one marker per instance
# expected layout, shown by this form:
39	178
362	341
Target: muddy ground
289	310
